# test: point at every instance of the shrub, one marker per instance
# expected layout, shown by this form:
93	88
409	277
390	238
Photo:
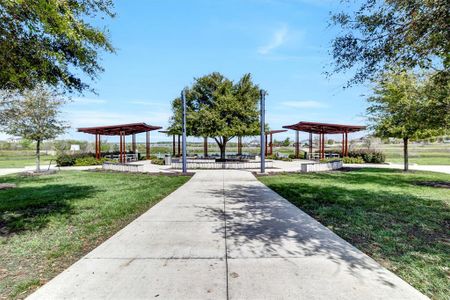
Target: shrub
66	160
158	161
353	160
368	156
271	156
378	157
326	160
301	155
89	161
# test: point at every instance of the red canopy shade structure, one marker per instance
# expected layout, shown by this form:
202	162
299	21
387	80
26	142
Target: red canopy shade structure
270	133
122	131
321	129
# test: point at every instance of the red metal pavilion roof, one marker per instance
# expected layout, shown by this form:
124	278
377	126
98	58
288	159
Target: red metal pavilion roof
127	129
315	127
275	131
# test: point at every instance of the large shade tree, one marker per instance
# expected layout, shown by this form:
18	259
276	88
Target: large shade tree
33	115
51	42
378	34
403	107
219	108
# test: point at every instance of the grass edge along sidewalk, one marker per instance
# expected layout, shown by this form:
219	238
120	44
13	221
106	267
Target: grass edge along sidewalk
49	222
399	219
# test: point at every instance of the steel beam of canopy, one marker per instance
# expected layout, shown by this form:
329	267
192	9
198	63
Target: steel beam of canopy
262	120
297	144
121	147
346	143
183	100
97	146
310	144
147	144
133	143
271	144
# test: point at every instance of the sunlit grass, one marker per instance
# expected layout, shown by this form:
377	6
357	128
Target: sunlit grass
384	213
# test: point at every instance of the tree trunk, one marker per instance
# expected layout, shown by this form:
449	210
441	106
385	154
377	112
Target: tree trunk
222	150
38	156
222	146
405	154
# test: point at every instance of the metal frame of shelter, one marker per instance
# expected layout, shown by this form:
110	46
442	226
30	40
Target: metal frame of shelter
321	129
269	143
122	131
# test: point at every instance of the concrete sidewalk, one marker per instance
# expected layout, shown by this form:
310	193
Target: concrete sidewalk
224	235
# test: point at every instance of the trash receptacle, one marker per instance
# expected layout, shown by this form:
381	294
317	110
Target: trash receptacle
167	160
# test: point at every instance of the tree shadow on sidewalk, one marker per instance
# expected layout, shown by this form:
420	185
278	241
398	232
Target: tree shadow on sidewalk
260	223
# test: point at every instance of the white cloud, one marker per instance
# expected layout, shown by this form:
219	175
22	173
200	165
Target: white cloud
305	104
88	101
278	39
86	118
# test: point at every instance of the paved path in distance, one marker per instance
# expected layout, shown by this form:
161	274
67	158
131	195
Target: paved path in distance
224	235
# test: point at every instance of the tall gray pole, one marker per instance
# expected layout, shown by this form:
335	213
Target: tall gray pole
183	100
262	94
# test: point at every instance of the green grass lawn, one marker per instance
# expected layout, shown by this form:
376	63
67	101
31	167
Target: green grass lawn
49	222
20	159
384	213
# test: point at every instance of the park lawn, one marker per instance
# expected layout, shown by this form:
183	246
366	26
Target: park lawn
386	214
49	222
421	158
20	159
428	154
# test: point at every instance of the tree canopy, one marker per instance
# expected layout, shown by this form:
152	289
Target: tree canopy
219	108
380	34
51	42
402	106
33	115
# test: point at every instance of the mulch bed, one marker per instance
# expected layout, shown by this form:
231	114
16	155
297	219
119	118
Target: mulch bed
141	173
435	184
41	173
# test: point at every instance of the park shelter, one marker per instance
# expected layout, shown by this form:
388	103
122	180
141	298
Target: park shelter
270	133
122	131
321	129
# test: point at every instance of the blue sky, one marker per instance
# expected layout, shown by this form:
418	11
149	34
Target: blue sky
163	45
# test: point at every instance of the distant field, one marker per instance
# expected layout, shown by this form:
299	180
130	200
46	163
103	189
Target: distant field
20	159
434	154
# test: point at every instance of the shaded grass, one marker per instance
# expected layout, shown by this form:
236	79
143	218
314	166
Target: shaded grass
49	222
384	213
